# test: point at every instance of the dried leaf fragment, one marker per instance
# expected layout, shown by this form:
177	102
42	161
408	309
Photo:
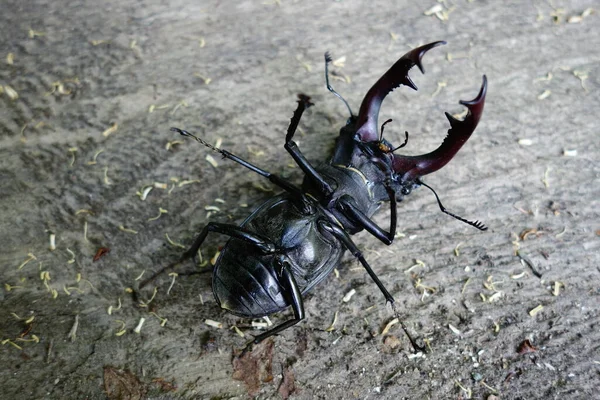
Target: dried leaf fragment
214	259
52	245
11	93
206	80
113	128
495	297
526	347
331	327
579	18
254	367
143	194
33	34
349	295
211	160
124	229
525	142
138	328
519	276
288	385
339	62
161	211
536	310
101	252
389	326
556	288
73	332
544	95
214	324
435	9
454	329
122	385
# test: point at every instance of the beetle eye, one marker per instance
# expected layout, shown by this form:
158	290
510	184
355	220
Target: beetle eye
405	190
383	147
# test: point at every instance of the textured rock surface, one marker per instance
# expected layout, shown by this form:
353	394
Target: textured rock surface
80	69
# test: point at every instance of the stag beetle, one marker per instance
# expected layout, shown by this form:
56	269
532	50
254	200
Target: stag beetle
294	240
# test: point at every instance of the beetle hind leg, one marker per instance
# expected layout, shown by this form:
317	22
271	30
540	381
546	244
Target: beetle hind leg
294	297
261	242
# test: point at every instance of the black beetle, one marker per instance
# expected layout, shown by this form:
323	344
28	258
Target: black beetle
294	240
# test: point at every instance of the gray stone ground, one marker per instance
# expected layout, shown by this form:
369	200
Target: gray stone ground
79	68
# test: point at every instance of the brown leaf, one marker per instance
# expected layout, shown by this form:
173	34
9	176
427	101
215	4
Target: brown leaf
391	344
165	385
526	347
512	375
122	385
101	252
288	383
254	367
531	231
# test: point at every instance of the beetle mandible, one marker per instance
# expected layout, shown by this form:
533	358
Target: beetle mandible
294	240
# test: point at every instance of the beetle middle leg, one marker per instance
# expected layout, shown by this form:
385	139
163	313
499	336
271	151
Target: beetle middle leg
237	232
303	204
345	239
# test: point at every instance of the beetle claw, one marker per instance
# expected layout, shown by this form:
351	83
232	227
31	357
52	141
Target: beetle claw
416	55
475	106
397	75
413	167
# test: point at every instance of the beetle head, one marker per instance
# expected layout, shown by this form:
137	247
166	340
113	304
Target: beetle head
410	168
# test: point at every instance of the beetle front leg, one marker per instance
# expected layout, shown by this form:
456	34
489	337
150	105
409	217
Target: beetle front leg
292	148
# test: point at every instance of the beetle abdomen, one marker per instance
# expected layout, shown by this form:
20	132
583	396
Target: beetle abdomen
244	279
244	282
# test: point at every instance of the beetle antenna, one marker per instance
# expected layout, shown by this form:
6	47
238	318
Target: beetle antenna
381	137
403	144
210	146
476	224
329	87
383	126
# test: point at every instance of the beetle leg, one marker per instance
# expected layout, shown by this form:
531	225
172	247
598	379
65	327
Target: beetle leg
299	199
345	239
237	232
294	296
347	206
292	148
263	243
